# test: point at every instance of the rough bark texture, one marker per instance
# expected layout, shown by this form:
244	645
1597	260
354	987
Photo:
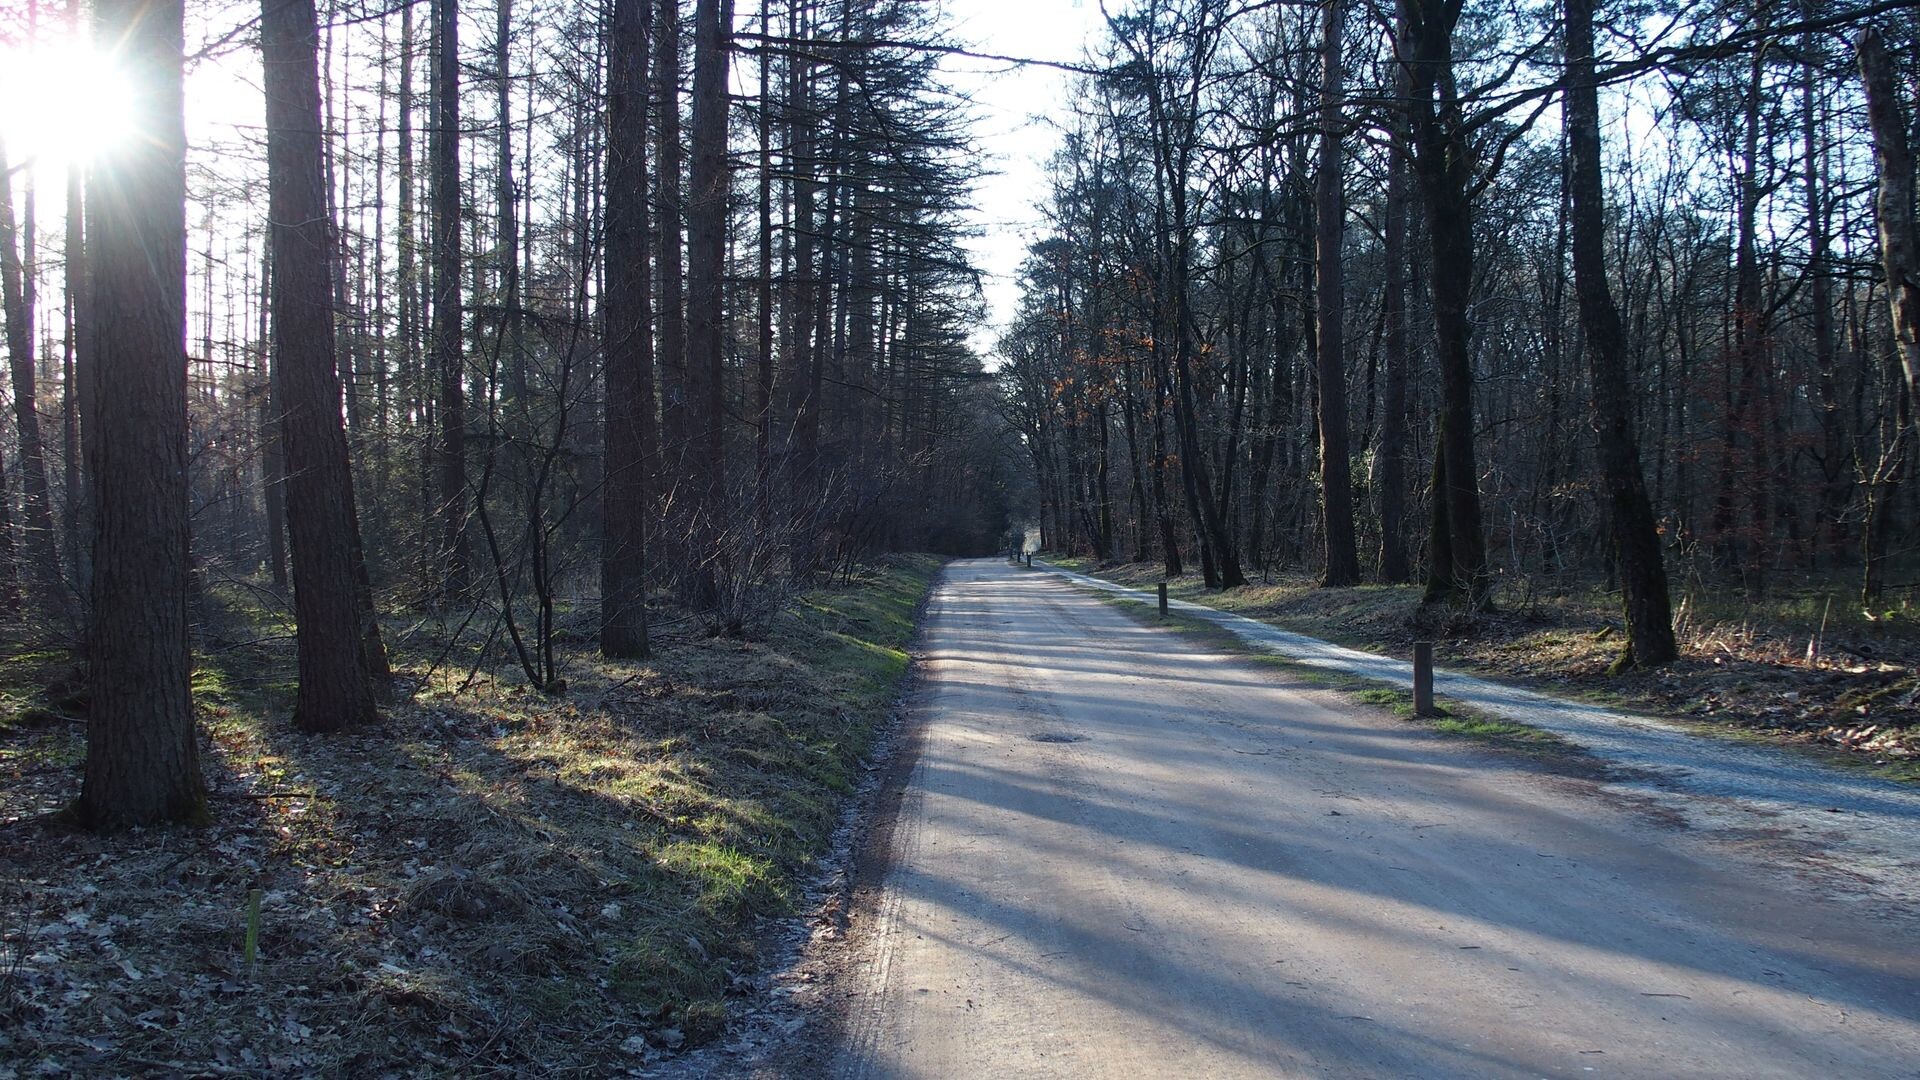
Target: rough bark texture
764	368
706	268
1636	539
668	219
1900	262
1336	479
629	350
336	669
1443	164
142	761
451	449
1899	243
1390	478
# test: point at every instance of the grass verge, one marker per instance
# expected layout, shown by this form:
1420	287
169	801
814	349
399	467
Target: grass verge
1456	719
1795	669
493	880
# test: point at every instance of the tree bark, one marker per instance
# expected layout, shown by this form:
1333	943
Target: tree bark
1390	479
707	190
142	762
668	219
1900	263
1443	164
1636	539
448	348
629	434
1899	241
336	687
1336	477
764	367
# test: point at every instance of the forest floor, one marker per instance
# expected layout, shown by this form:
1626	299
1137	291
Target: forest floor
1804	668
492	881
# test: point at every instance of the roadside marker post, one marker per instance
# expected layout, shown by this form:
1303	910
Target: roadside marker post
1163	599
1423	678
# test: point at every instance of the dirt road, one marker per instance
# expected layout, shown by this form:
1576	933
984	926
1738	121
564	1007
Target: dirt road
1121	855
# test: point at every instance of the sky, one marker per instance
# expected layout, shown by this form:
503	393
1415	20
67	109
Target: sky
1014	132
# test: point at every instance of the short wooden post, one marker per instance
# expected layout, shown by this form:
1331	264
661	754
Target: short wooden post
1163	599
1423	678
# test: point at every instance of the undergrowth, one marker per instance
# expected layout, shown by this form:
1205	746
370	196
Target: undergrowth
492	880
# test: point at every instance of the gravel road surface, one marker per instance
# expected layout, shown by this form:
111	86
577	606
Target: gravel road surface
1119	853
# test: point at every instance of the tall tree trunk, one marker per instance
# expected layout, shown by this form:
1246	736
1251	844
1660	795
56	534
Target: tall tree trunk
1443	164
41	548
1745	482
764	368
507	235
1136	461
273	465
1330	210
337	670
1899	240
629	432
72	358
1162	504
406	253
448	347
1390	479
1636	539
1900	263
801	406
142	762
671	311
707	190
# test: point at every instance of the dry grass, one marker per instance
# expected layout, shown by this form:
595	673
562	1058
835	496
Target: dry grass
494	881
1805	666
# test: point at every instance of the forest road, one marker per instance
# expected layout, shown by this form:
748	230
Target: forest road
1119	853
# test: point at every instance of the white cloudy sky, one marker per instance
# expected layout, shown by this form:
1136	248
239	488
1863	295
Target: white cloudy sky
1014	135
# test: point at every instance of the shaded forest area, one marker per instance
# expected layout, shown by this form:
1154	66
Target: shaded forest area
454	463
1521	312
525	326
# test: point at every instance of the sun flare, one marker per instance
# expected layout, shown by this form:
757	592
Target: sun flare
62	104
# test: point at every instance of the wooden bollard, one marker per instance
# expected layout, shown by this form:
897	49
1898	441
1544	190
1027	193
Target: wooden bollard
1163	599
1423	678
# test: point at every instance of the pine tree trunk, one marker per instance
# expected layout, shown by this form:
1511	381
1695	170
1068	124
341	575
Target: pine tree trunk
142	762
629	430
336	671
668	218
448	352
707	190
764	369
